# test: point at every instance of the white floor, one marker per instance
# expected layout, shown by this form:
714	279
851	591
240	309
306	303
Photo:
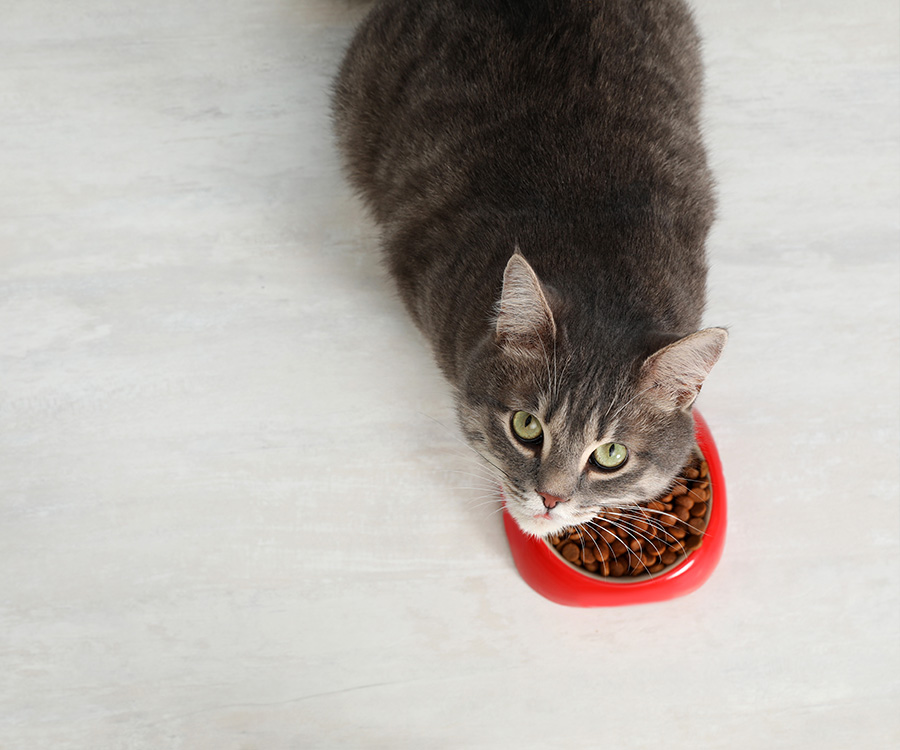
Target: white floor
235	513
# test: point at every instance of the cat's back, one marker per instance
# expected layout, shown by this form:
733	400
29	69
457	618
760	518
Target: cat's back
467	87
567	128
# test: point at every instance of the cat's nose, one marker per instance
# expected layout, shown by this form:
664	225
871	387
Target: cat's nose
551	501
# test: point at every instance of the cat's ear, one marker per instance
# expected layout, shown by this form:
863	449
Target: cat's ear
525	324
674	375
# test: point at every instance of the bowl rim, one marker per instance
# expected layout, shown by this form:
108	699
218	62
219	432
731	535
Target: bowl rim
554	578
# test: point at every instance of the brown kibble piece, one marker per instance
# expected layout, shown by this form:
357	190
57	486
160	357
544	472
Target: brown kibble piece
699	509
697	525
678	489
692	542
691	473
684	501
666	538
587	556
668	557
683	514
617	568
571	552
699	496
704	469
591	566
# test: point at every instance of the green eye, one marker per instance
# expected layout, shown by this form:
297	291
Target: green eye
526	427
610	456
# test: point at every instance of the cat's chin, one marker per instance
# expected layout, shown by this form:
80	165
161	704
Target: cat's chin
537	525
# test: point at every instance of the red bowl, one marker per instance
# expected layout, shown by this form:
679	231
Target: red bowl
548	574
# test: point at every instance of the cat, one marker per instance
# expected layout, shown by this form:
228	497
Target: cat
538	176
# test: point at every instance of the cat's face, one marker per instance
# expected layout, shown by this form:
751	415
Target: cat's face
562	457
570	436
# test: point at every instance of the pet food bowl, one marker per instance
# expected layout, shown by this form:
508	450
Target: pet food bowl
556	579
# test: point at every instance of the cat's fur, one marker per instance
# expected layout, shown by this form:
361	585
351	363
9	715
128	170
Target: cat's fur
537	171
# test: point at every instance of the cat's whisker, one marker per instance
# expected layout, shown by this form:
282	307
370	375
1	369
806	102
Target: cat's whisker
484	458
470	466
489	495
625	527
463	442
495	512
630	552
657	512
598	527
485	499
465	481
555	382
564	373
539	337
615	399
670	538
487	460
486	488
481	489
479	501
487	477
637	509
485	491
655	524
486	503
665	533
635	396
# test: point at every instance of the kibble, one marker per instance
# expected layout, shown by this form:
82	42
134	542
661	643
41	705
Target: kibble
681	513
647	539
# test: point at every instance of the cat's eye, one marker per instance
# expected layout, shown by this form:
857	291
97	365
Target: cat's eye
526	427
610	456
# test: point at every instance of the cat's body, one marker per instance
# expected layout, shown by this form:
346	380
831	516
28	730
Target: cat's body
566	130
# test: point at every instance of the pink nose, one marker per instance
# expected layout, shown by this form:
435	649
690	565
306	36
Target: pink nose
550	501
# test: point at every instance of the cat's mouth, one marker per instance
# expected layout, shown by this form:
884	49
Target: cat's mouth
541	523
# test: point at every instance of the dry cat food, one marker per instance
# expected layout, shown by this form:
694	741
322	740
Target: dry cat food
643	538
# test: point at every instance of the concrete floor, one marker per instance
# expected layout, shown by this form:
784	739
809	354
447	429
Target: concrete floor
235	512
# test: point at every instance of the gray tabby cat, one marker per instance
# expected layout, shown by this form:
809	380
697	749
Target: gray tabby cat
537	172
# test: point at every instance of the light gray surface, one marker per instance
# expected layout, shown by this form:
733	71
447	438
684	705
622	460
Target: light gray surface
229	517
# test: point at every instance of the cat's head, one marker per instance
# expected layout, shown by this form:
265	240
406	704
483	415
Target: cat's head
574	419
